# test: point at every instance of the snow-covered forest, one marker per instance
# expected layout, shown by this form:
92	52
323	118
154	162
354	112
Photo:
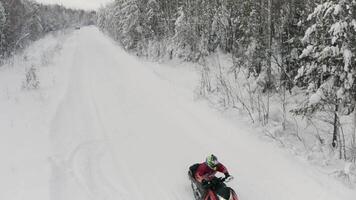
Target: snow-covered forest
288	65
120	102
24	21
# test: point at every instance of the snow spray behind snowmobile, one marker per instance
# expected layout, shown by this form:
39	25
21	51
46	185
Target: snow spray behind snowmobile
216	189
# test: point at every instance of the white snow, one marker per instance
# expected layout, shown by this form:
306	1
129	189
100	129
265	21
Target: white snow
338	27
112	127
337	9
308	33
316	97
350	81
306	52
328	51
347	58
353	23
340	93
26	115
324	7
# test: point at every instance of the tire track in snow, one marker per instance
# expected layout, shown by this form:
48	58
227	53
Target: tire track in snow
80	153
118	166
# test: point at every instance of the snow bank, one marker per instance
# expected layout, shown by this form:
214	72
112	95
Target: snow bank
308	139
25	116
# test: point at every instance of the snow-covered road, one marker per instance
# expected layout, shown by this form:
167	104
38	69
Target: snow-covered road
125	130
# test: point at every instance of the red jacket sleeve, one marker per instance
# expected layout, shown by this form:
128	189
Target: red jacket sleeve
221	168
199	175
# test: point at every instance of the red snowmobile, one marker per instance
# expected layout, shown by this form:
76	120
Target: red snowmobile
215	189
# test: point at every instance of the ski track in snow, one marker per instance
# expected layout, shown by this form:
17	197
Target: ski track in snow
121	131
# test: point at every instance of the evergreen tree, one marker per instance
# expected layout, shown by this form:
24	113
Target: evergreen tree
2	27
2	17
129	18
329	60
24	21
289	29
185	37
221	26
155	21
251	52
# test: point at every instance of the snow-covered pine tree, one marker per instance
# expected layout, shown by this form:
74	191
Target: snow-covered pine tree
156	29
329	60
110	19
32	26
155	21
2	26
185	37
204	16
221	27
114	23
2	17
251	51
290	29
287	15
26	21
101	18
131	24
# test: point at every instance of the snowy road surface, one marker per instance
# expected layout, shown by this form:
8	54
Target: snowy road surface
122	131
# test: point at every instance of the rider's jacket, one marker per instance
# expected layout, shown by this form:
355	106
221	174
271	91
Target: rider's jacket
204	172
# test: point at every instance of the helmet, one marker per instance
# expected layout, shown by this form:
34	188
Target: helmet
212	161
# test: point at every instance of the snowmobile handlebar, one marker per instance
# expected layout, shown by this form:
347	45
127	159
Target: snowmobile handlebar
226	179
216	182
221	179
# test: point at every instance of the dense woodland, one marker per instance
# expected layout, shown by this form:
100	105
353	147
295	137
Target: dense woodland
24	21
296	54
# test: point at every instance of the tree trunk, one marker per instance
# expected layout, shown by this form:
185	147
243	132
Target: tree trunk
334	142
269	38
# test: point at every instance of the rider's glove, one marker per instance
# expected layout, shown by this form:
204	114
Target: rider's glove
227	175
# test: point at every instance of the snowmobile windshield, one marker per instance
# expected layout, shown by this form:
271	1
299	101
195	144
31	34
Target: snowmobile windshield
223	191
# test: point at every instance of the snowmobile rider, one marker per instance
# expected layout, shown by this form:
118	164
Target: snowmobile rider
207	170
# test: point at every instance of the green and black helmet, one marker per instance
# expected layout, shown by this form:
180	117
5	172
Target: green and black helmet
212	161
